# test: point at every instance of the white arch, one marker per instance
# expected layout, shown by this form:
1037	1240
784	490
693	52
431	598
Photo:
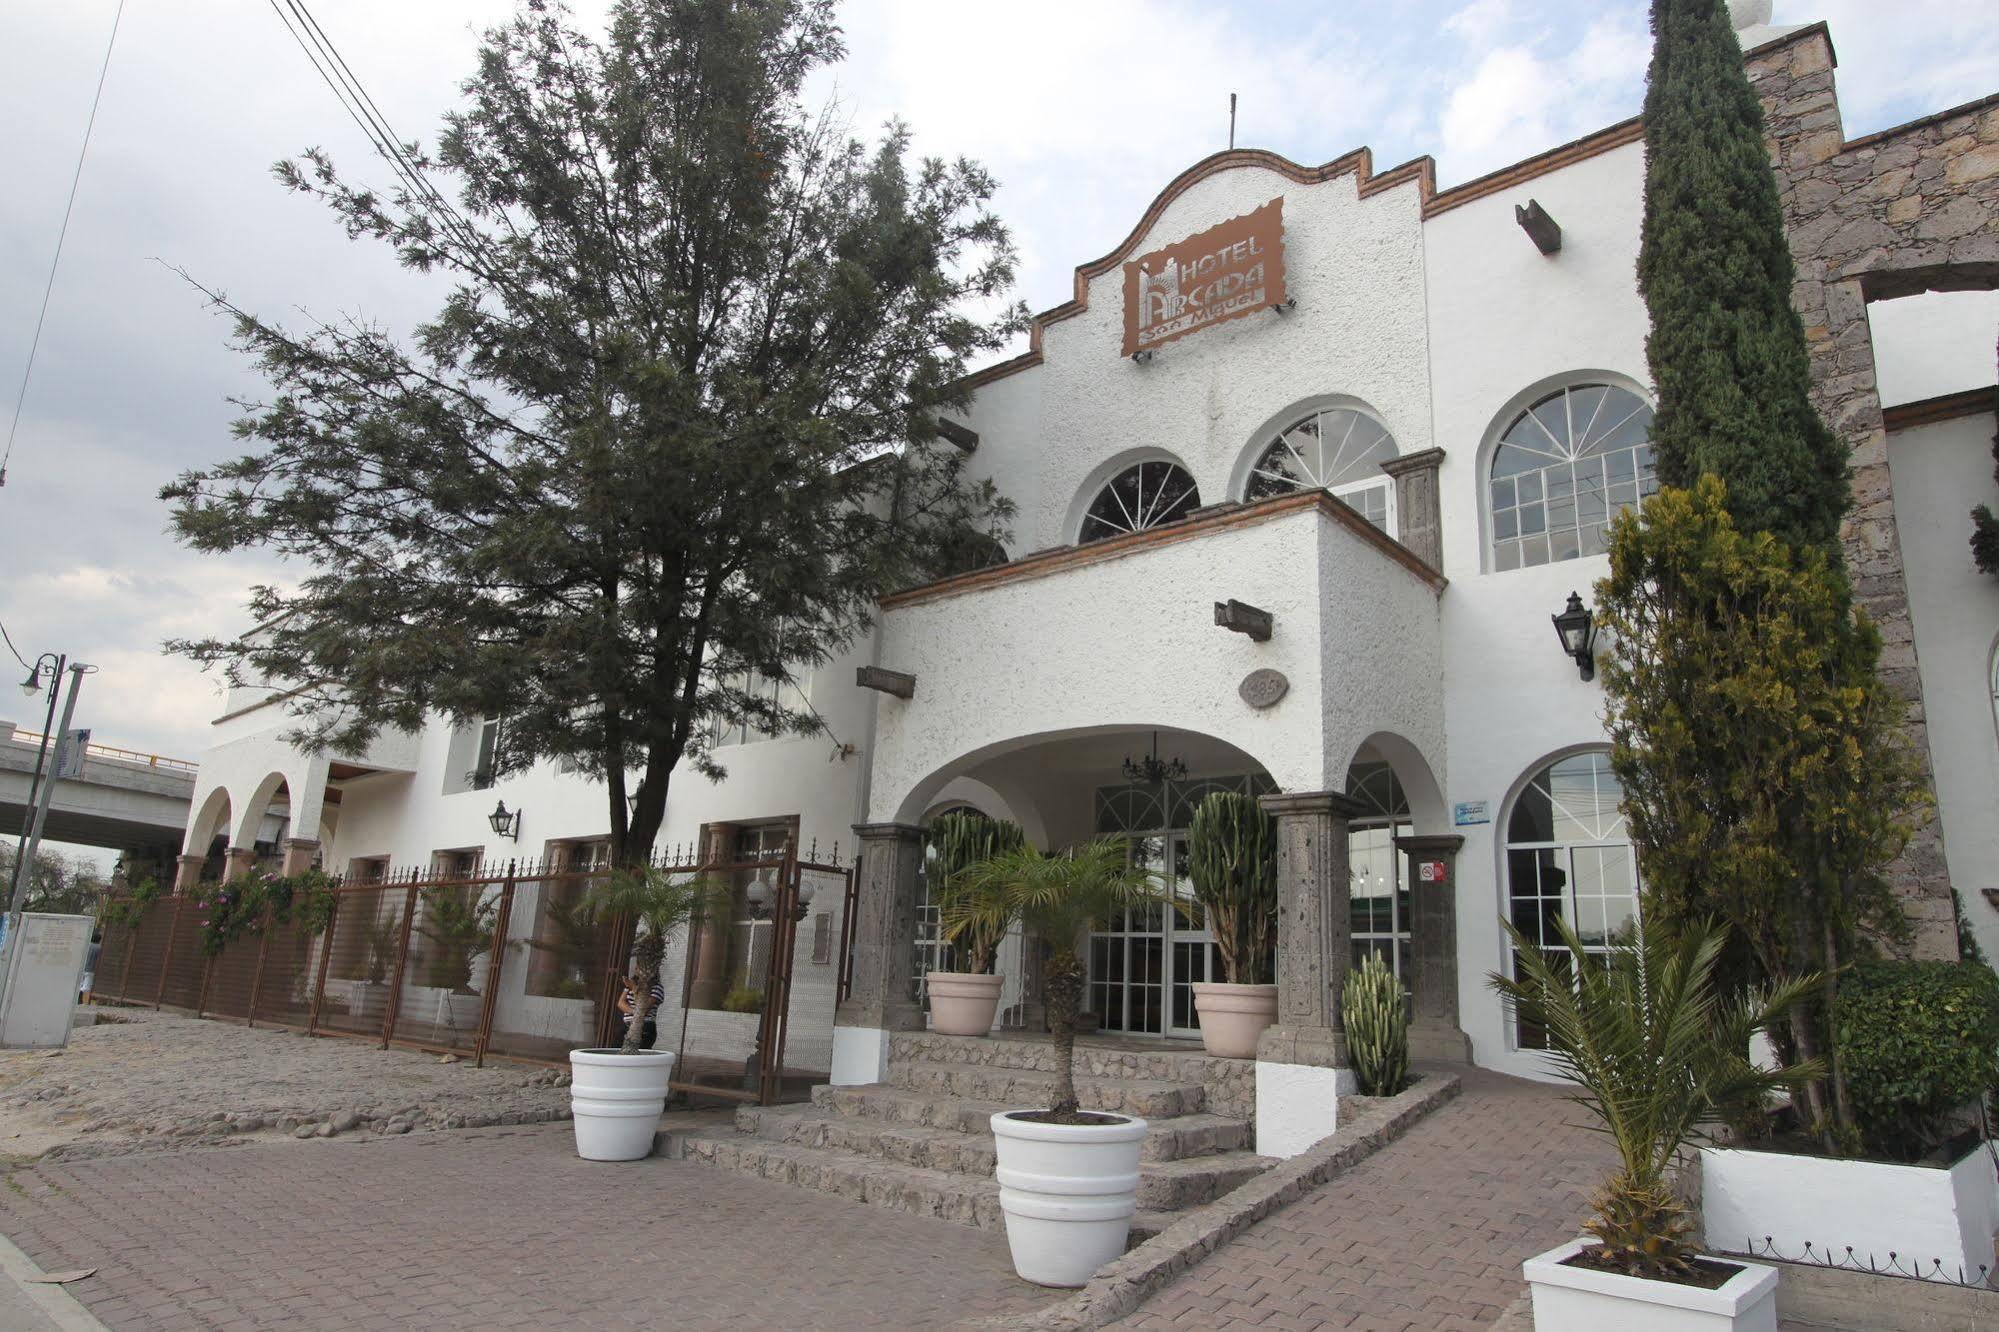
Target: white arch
1496	426
1016	793
212	816
1260	439
1415	775
250	813
1100	476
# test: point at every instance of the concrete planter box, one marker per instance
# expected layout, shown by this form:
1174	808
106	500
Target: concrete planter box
1936	1222
1577	1299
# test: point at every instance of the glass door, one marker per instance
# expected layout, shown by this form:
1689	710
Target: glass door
1142	968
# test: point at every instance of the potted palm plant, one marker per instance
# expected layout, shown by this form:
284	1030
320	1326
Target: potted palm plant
1068	1176
456	923
973	917
1656	1055
1232	857
616	1094
368	997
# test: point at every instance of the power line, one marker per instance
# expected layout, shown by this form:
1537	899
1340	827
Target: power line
34	343
10	645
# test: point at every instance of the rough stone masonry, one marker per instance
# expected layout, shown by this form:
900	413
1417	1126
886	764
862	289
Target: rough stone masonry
1910	209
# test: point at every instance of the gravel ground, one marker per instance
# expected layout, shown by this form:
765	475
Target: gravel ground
142	1081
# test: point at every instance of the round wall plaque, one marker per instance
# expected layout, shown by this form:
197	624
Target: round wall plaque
1261	689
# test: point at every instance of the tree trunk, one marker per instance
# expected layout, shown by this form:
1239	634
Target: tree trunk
1842	1103
1064	990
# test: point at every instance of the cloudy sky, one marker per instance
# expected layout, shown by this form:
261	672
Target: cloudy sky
1083	108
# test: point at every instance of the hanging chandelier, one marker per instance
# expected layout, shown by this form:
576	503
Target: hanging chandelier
1151	770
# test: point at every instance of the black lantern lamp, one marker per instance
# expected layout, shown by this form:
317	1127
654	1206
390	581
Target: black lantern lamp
1576	627
505	824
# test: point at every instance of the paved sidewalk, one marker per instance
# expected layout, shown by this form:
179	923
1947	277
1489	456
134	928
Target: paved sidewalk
487	1228
1427	1234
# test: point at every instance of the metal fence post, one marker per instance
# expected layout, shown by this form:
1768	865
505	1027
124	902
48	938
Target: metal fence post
498	955
257	977
402	959
325	956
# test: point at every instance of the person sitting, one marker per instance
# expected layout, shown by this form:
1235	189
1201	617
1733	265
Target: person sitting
628	1003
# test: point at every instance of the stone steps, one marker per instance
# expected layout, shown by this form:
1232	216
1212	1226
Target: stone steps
1165	1139
1163	1184
942	1194
1230	1084
1022	1089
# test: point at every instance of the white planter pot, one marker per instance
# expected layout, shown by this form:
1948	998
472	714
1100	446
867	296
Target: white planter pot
367	999
1923	1215
961	1003
615	1101
1577	1299
1233	1016
1068	1191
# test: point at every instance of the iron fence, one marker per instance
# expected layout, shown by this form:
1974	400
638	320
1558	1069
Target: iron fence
519	964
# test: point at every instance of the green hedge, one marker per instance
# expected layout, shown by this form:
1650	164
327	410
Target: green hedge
1917	1040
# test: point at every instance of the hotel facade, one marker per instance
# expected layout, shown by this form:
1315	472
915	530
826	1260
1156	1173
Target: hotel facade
1303	471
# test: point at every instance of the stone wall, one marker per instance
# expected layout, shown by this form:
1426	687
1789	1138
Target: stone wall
1911	209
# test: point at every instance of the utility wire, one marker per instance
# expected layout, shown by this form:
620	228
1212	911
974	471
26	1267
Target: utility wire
35	343
10	645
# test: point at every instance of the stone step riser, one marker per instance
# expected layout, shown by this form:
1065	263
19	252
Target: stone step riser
1230	1083
1165	1186
967	1202
1165	1140
1031	1090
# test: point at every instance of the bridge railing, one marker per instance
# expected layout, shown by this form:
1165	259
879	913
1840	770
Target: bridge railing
95	750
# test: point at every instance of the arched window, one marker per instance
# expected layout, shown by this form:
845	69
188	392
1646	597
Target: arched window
1378	873
1143	496
1563	469
1569	857
1338	449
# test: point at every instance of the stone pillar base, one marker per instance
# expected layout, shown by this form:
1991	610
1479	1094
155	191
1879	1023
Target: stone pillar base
1315	1047
241	860
187	873
1297	1105
860	1056
299	852
1434	1040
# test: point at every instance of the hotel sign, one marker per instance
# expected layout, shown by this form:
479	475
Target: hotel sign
1216	275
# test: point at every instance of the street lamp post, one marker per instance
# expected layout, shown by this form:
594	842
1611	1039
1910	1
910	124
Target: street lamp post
32	840
50	664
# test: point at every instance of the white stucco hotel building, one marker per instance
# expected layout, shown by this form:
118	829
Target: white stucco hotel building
1407	463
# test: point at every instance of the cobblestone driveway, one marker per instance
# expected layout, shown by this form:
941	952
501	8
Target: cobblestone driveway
487	1228
1427	1234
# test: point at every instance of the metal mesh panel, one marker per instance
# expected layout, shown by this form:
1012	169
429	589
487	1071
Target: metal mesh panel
185	961
442	999
285	980
141	983
358	959
557	979
232	973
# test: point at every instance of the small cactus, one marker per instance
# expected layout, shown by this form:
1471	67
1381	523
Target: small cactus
1377	1024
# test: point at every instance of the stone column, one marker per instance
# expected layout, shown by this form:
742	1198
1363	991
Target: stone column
187	873
1434	1032
299	853
884	950
1301	1062
711	942
240	861
1418	514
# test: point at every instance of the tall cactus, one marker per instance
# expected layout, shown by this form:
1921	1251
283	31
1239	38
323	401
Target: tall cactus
974	924
1232	855
1377	1023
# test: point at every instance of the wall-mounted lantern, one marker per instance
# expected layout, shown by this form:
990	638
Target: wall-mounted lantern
505	824
1576	627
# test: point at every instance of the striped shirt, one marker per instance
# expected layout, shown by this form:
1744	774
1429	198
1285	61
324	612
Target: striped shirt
658	997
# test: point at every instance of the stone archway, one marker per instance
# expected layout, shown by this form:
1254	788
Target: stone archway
1910	209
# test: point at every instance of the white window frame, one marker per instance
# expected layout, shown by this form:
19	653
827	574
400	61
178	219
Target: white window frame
1386	485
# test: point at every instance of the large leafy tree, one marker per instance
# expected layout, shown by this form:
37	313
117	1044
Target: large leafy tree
1727	351
672	433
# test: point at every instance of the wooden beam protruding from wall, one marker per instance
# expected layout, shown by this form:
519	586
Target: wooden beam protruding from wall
1545	232
899	683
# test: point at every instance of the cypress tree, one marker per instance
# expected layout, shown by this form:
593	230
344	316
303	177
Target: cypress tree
1726	350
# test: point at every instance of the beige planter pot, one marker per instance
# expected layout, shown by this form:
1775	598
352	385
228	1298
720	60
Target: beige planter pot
1233	1016
962	1004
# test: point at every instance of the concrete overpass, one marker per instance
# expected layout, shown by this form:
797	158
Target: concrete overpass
125	801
